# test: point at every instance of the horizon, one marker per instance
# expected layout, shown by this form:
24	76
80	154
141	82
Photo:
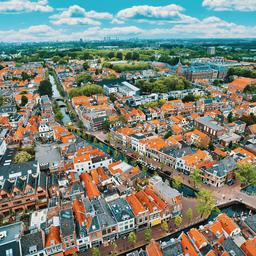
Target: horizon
72	20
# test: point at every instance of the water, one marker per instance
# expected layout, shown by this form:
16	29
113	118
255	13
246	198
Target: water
66	119
251	190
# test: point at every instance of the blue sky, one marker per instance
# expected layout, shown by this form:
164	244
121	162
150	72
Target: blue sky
50	20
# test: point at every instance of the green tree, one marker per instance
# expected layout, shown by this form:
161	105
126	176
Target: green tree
144	169
1	100
246	173
45	88
195	176
205	202
55	59
85	65
165	226
230	117
148	234
22	157
168	134
59	116
189	214
178	220
176	182
25	76
132	238
24	100
95	251
119	55
134	162
80	124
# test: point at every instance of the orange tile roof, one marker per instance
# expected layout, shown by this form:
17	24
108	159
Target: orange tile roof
156	143
211	253
252	128
154	249
240	83
90	187
227	223
198	238
161	204
195	159
146	202
249	247
220	152
215	228
135	204
53	236
188	248
79	211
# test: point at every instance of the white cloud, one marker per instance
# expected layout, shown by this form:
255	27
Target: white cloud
117	21
16	6
231	5
75	15
156	14
211	27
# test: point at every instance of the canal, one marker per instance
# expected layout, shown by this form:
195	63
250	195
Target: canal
56	95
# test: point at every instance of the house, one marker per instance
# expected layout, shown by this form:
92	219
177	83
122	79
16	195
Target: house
67	231
190	162
220	173
249	247
197	138
154	249
32	244
198	238
10	239
86	160
209	126
53	244
228	225
123	214
107	222
168	194
128	89
229	139
141	214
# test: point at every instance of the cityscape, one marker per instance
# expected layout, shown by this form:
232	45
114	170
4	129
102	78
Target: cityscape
127	128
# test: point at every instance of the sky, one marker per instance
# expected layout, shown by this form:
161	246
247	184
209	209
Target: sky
65	20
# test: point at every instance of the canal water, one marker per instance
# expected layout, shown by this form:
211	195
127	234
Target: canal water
56	94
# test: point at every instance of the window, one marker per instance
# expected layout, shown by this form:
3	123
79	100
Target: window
9	252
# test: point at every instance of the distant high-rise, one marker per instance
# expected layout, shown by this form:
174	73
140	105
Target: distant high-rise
211	50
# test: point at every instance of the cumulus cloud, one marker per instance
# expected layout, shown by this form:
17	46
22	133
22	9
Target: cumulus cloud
231	5
16	6
156	14
75	15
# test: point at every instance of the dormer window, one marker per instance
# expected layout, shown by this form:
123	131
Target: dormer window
33	249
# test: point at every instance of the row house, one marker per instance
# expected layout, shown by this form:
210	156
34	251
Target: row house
53	244
170	195
209	126
135	116
23	192
197	138
67	231
220	173
123	214
90	159
190	162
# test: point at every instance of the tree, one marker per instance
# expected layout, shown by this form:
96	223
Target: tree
176	182
95	251
132	237
205	202
80	124
24	100
148	234
246	173
189	214
144	169
22	157
211	146
119	55
24	76
1	100
109	137
85	65
178	220
195	176
168	134
165	226
45	88
134	162
230	117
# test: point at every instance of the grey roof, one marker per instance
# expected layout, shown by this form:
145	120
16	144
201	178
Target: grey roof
121	210
103	212
30	241
42	180
172	247
8	186
231	247
251	222
13	170
12	231
177	153
47	154
20	184
210	122
67	225
224	166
